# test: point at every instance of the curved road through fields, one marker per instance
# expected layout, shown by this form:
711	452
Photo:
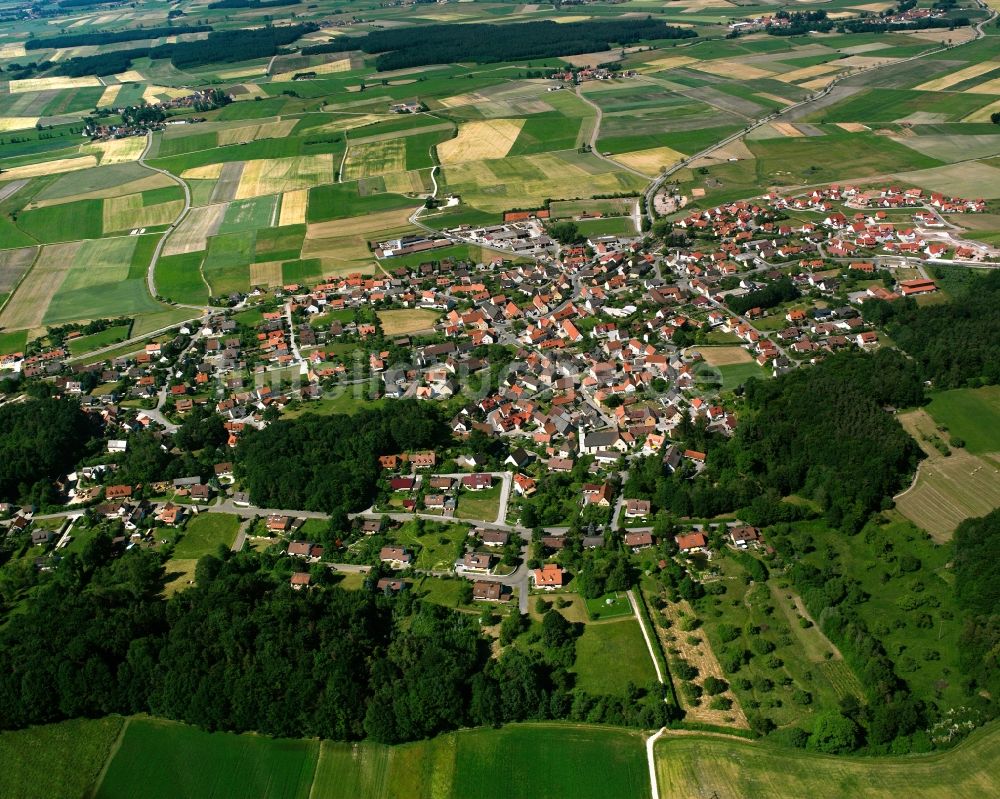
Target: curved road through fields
151	272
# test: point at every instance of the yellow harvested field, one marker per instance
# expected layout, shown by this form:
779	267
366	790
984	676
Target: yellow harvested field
992	86
374	158
242	72
155	94
984	114
593	59
56	167
650	161
277	129
735	149
458	100
670	62
17	123
370	223
478	141
876	7
192	234
284	174
117	151
266	274
153	181
853	127
340	65
724	356
109	96
949	80
253	91
411	182
816	83
947	490
12	50
806	73
733	69
787	129
293	207
128	213
866	61
563	19
47	84
775	98
206	172
27	307
130	76
348	121
406	321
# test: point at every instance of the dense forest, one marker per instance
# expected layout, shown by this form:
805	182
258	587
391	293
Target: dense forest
330	463
840	447
219	47
112	37
253	3
483	43
977	589
242	651
955	344
771	295
40	440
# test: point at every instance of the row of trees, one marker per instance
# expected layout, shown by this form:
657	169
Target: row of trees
483	43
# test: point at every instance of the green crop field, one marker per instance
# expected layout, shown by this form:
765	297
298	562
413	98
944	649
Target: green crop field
970	414
541	761
65	222
110	335
178	278
610	655
226	266
57	760
698	766
205	533
163	759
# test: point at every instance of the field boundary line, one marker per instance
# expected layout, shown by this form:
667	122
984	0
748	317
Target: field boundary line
645	635
319	758
24	274
96	787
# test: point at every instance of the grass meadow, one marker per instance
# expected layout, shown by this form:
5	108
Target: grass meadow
205	533
610	655
163	760
970	414
699	766
541	761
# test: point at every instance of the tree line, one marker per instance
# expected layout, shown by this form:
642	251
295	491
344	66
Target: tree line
242	651
956	344
484	43
112	37
218	47
330	463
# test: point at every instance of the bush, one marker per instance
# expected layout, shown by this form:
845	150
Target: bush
721	703
713	685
